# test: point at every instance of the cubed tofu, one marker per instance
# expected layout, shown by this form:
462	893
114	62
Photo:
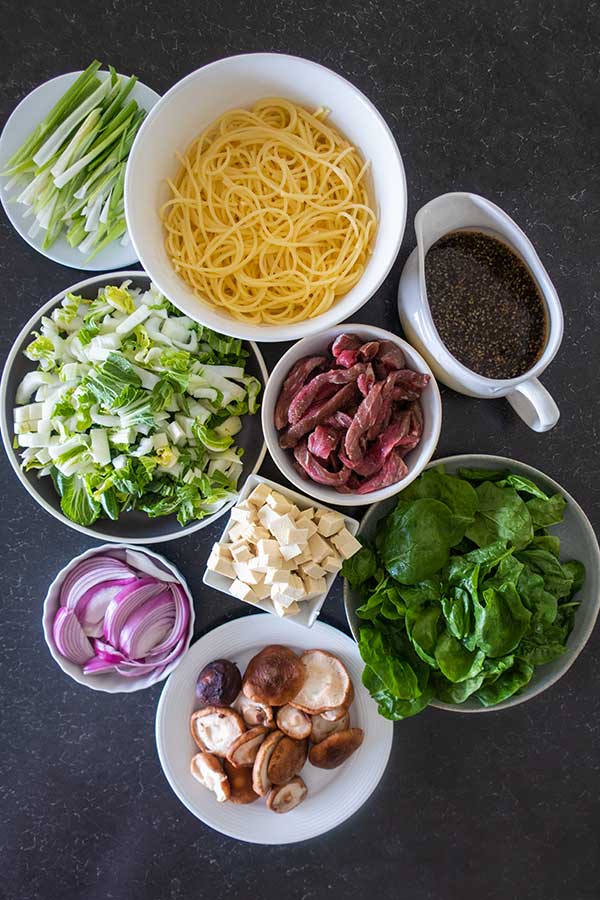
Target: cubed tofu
243	591
220	563
240	551
330	523
223	549
297	536
263	562
281	527
308	513
267	516
278	503
259	495
235	532
243	516
267	547
305	556
306	525
289	551
312	569
274	576
255	533
292	610
262	590
294	512
244	573
319	548
314	587
345	543
332	563
289	591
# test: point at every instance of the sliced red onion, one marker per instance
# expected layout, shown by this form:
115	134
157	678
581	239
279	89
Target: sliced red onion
107	653
70	638
146	565
97	666
91	607
182	618
148	626
90	572
127	601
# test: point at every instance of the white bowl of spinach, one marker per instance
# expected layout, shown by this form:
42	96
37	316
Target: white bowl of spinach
476	589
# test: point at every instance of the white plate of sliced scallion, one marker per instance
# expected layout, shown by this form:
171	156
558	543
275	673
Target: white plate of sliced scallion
63	153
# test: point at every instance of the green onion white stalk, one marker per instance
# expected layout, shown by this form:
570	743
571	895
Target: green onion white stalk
70	172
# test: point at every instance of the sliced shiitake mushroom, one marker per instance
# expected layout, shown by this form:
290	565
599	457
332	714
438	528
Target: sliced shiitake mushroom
215	728
322	727
287	760
326	685
242	752
334	750
240	784
254	713
338	712
286	797
208	770
260	776
293	722
274	676
218	683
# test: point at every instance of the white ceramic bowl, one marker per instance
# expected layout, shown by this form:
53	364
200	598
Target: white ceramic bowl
196	101
133	527
309	609
416	460
31	110
110	682
577	541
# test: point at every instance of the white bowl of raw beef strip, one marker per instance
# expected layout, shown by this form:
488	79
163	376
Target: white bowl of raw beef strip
428	412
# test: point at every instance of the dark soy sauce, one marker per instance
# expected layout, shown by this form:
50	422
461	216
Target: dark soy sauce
485	304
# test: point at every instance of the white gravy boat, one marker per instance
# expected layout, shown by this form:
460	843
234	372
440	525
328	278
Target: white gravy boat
449	212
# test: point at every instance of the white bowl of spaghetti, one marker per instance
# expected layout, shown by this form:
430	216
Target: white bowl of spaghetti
266	197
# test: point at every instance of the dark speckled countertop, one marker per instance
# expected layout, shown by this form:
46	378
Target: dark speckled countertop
495	96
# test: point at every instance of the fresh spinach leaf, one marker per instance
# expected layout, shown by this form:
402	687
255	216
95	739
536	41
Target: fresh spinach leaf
417	539
477	476
501	516
396	674
501	620
523	485
422	631
391	707
459	496
547	512
360	567
506	685
455	661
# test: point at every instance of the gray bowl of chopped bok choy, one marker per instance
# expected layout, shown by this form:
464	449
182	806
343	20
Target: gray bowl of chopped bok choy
125	419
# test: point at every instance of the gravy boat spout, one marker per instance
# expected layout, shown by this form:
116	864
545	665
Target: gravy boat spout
461	210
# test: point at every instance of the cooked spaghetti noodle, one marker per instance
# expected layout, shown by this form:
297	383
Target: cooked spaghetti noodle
269	218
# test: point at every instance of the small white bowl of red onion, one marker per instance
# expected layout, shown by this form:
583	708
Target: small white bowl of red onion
351	416
118	618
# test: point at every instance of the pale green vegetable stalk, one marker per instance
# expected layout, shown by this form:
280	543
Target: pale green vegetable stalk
70	171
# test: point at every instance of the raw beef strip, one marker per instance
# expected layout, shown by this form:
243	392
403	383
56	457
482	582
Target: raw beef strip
315	470
296	378
391	356
317	414
408	385
366	414
323	440
345	342
339	420
369	351
366	381
319	385
393	470
376	456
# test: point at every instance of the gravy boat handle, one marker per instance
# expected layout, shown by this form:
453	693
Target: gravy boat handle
532	402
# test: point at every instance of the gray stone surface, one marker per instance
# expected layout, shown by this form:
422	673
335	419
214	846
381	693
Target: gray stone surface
496	97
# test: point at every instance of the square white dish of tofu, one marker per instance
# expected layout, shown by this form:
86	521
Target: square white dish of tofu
280	551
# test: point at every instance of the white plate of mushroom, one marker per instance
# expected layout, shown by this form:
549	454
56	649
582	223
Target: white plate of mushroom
266	734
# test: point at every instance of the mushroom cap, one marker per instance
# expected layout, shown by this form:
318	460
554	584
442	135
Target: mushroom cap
254	713
208	770
274	676
287	760
322	727
293	722
327	684
215	728
338	712
242	752
218	683
240	784
260	776
334	750
286	797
